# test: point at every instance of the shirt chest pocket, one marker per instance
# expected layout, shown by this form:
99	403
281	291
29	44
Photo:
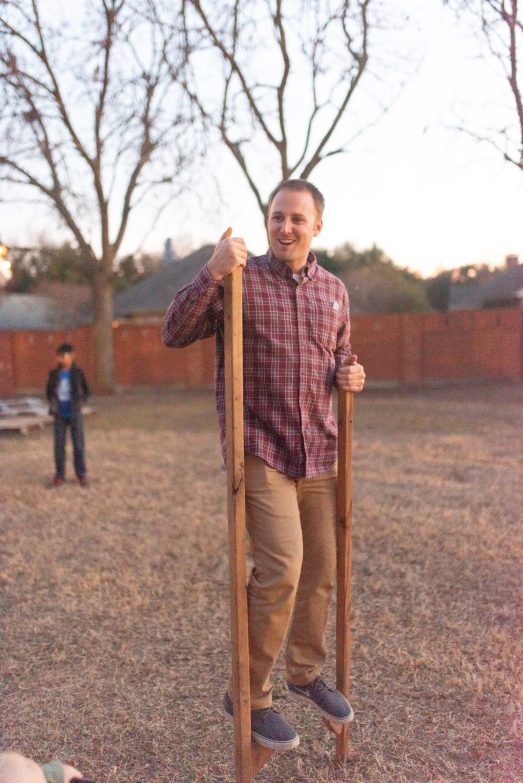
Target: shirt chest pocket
324	323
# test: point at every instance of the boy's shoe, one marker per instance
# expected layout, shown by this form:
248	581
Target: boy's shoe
57	481
268	727
82	480
329	701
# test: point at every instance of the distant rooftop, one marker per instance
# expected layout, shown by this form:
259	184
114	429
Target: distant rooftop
155	293
501	286
32	311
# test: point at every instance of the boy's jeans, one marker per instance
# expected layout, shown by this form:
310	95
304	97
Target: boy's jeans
75	422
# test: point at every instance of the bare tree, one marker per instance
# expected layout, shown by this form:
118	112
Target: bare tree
90	123
289	71
501	26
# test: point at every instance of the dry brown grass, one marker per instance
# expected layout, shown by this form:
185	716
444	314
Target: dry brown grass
114	598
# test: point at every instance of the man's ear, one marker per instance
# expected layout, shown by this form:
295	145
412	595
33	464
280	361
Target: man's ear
318	228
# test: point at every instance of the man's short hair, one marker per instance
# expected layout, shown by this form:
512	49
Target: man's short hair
303	185
64	348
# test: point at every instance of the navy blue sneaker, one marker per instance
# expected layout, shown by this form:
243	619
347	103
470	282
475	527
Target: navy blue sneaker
329	701
268	727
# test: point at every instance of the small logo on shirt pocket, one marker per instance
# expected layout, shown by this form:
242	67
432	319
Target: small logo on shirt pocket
336	306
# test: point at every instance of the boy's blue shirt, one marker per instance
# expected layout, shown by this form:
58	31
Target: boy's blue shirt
64	393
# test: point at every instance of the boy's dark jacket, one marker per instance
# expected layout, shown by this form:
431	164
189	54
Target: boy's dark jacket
79	389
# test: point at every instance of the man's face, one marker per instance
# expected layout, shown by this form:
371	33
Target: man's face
292	224
65	360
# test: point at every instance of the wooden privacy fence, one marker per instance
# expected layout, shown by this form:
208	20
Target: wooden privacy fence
418	348
411	348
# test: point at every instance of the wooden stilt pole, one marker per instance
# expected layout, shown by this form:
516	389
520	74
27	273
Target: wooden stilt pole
249	757
233	346
344	547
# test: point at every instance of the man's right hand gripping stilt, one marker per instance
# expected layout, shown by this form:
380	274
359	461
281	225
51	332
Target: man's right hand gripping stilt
229	253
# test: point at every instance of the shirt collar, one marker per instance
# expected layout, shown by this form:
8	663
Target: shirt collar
284	270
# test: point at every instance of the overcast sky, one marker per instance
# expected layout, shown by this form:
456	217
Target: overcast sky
431	197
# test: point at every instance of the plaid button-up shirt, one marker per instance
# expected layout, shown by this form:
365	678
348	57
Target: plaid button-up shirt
295	335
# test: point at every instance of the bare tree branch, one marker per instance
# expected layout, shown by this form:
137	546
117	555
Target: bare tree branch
235	67
280	90
92	160
501	23
269	104
360	58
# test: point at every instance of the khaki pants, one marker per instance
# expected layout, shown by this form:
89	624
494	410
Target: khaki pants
292	528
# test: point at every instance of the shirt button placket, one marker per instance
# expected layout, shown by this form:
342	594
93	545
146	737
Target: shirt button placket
302	341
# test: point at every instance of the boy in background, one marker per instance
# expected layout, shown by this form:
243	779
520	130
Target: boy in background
66	391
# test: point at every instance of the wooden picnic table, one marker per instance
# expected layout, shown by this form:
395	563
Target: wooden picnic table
17	416
24	423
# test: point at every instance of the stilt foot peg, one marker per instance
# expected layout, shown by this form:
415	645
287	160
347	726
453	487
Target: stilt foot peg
336	728
260	757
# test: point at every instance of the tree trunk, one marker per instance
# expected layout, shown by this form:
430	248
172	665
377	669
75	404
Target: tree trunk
103	331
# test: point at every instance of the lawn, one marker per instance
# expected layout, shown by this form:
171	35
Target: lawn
114	598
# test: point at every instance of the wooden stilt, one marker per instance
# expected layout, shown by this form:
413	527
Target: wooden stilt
249	757
344	547
336	728
260	757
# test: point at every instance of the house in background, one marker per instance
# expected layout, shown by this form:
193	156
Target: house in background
146	301
500	288
27	312
66	306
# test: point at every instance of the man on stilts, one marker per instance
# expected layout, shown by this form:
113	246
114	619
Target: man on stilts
296	348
